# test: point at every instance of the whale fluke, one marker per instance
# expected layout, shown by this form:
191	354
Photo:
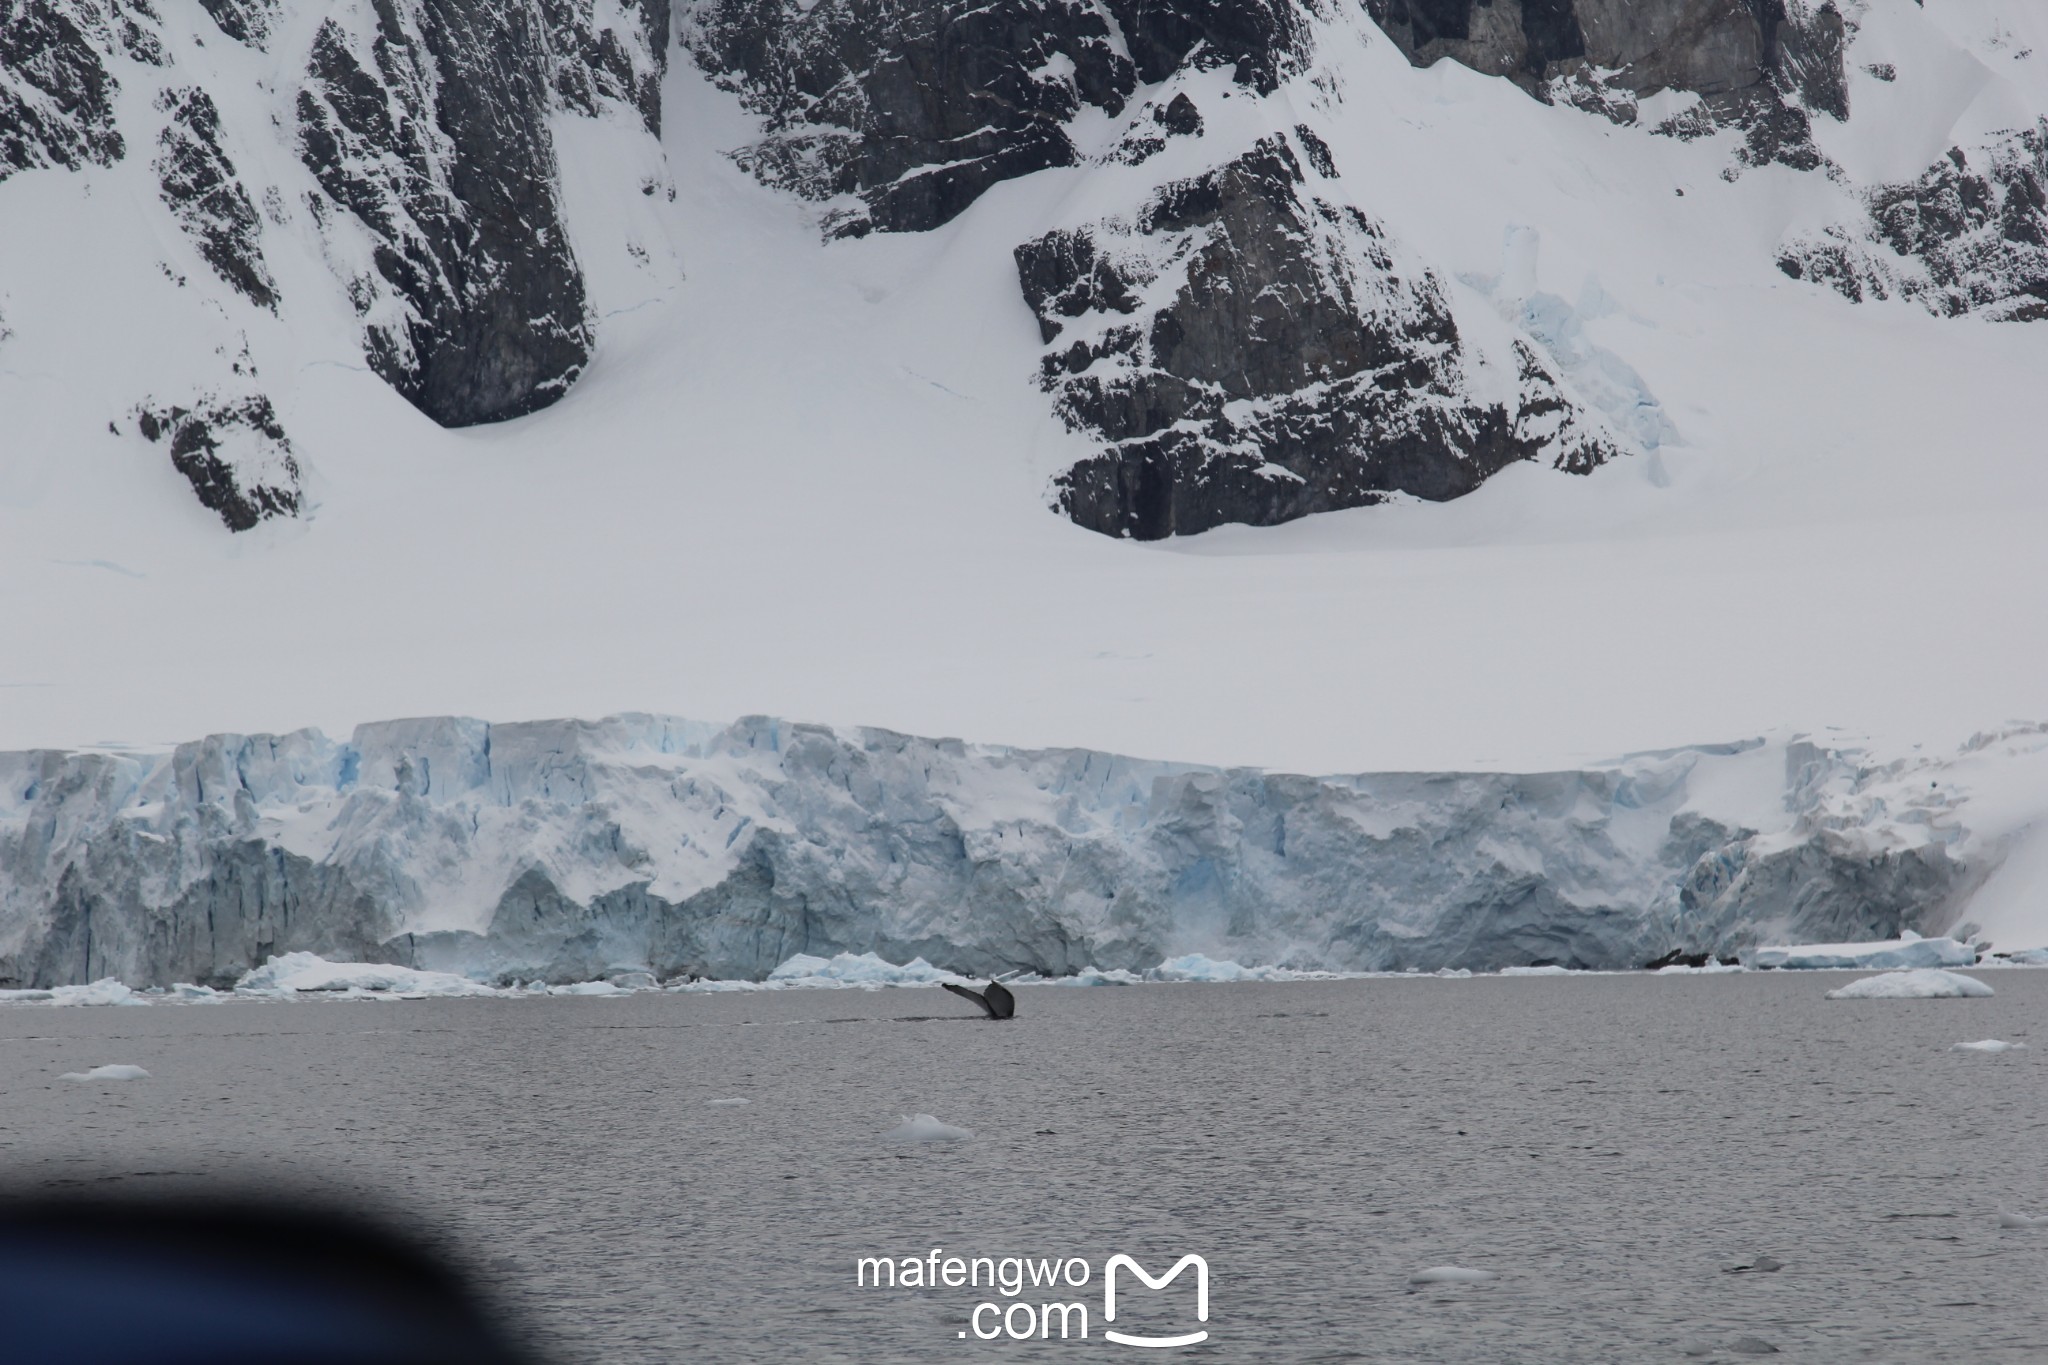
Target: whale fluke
997	999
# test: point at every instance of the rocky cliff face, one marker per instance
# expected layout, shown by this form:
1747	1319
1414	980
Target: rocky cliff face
898	115
567	850
1251	352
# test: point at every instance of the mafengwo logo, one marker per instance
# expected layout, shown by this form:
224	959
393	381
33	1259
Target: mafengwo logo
1031	1317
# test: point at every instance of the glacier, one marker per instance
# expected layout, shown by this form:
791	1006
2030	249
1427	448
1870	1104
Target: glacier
646	847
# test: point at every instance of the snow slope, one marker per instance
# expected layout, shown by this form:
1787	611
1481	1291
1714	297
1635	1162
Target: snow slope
811	479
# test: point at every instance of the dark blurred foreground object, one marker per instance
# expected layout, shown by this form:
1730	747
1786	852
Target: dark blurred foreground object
997	999
229	1281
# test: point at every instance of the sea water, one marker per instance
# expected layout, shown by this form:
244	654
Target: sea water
1607	1149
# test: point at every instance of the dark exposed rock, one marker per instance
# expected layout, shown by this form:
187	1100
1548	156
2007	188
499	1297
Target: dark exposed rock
56	94
913	110
199	186
235	454
1296	369
1971	234
606	64
246	21
1147	134
1708	46
1179	117
436	139
1762	65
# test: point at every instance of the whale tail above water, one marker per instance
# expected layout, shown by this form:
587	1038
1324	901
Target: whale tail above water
997	999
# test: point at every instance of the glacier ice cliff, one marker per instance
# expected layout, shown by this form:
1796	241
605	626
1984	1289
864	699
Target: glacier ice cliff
566	850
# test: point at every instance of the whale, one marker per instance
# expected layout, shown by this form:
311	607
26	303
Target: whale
997	999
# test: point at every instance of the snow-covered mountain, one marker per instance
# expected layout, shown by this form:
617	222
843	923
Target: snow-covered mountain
1657	372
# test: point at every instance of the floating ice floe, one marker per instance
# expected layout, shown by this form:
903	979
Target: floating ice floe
119	1071
1704	969
1922	983
1907	950
733	1103
105	991
1548	969
1202	967
1987	1045
925	1128
292	974
1095	976
865	970
2020	1220
1450	1274
589	988
2028	957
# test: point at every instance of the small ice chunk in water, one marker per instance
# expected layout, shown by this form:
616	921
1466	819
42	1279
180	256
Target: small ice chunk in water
726	1104
2020	1220
924	1128
1450	1274
1987	1045
119	1071
1922	983
1751	1346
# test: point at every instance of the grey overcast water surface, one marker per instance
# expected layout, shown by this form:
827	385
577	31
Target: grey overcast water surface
1607	1146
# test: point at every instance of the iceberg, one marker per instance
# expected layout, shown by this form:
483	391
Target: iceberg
1094	976
116	1072
1201	967
857	969
1908	950
106	991
291	974
1988	1045
925	1128
1922	983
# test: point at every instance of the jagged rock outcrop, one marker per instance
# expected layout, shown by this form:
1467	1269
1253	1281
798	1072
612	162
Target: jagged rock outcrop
234	453
56	94
199	186
568	850
1251	351
431	131
1970	235
898	115
246	21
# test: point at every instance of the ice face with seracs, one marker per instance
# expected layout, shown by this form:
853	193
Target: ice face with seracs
569	851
